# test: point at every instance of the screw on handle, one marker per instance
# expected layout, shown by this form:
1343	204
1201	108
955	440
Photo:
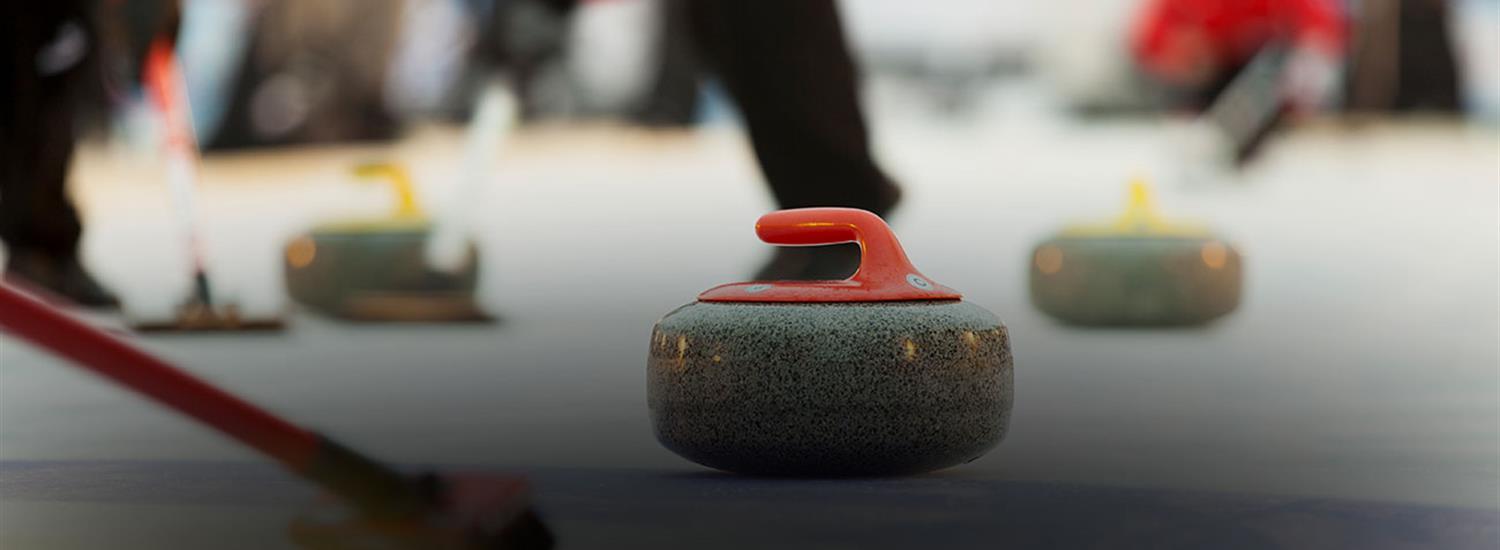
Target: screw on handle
884	274
1140	218
881	255
1140	209
406	197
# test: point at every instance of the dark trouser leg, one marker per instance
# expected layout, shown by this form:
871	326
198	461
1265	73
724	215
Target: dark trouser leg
49	61
1403	59
35	212
673	98
1429	77
36	137
789	69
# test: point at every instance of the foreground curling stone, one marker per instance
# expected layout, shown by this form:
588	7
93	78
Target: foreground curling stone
375	270
885	373
1135	271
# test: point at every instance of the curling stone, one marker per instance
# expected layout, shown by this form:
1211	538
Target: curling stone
375	269
1137	270
884	373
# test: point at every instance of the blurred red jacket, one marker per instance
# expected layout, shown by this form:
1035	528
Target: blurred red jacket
1189	41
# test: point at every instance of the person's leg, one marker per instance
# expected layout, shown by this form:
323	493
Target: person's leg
788	67
49	48
673	97
1428	78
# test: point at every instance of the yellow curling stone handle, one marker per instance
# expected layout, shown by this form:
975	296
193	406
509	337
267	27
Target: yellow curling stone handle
407	215
1139	219
406	197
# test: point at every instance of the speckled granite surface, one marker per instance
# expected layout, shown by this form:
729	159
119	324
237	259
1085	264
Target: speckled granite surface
1135	281
331	272
880	388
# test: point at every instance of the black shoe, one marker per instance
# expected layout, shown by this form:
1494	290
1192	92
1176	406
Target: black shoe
64	277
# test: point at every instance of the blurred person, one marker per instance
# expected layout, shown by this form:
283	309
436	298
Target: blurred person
58	72
787	65
525	40
672	98
1403	58
314	71
310	72
1196	48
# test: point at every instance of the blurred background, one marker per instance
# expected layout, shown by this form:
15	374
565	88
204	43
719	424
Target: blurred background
606	161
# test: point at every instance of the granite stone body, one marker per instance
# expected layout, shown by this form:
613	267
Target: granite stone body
830	389
347	265
1135	280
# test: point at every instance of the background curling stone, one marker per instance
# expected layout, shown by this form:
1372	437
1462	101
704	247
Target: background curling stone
885	373
1135	271
375	270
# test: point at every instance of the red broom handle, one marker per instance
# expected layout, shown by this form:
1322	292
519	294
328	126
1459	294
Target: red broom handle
122	362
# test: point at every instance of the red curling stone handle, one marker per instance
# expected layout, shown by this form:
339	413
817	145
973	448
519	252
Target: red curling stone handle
884	275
